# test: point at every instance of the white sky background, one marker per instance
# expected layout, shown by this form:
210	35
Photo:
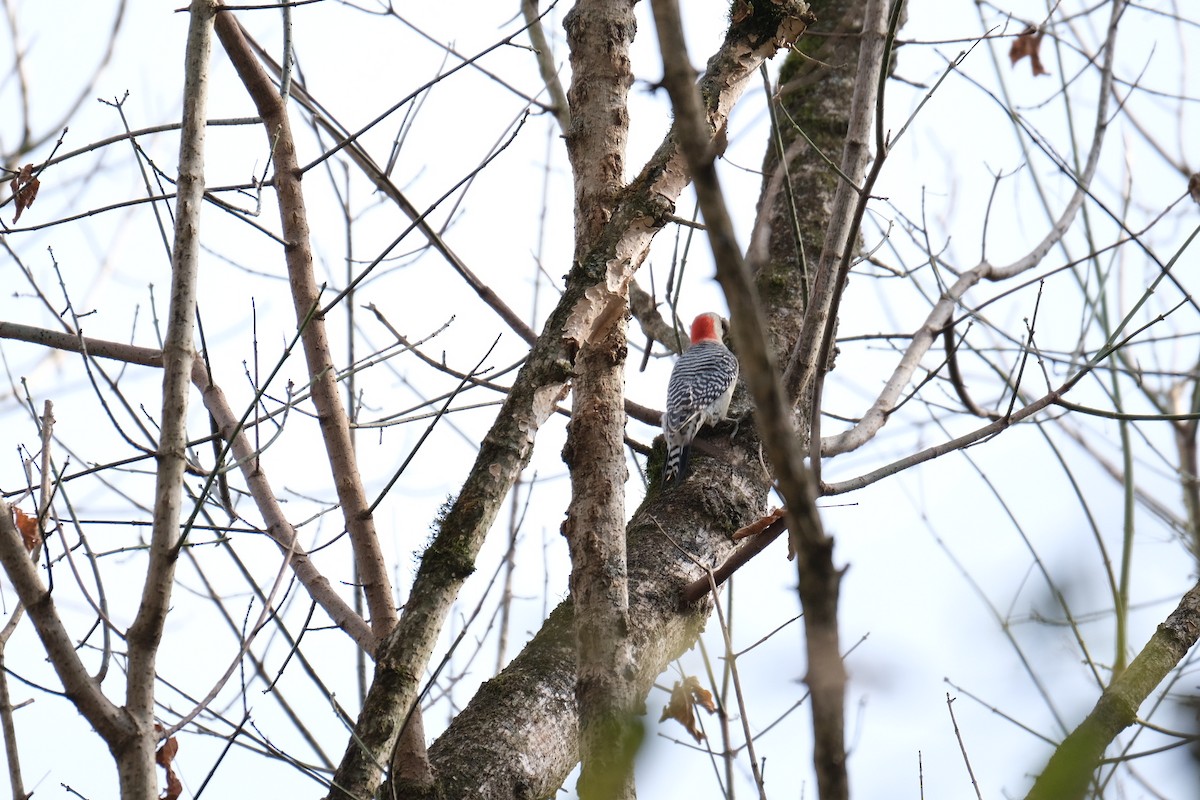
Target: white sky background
921	620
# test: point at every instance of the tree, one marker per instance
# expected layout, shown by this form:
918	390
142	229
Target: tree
285	517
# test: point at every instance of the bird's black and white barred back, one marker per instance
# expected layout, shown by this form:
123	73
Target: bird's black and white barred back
698	393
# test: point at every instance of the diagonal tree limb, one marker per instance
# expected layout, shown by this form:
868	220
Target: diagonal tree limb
331	414
372	568
335	425
546	66
108	719
1070	768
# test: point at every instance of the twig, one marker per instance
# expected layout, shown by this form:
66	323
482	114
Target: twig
731	659
429	429
956	379
740	557
268	610
962	747
11	751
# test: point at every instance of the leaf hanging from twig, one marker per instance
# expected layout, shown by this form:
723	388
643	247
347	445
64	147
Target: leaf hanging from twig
684	695
1028	43
164	757
24	189
28	527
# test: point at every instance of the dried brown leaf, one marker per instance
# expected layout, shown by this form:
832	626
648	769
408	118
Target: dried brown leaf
164	757
28	527
174	788
24	188
700	696
1028	43
166	752
759	525
684	695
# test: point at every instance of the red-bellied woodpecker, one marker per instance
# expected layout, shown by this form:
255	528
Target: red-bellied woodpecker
698	393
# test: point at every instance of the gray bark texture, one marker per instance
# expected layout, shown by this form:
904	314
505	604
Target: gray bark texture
606	693
599	33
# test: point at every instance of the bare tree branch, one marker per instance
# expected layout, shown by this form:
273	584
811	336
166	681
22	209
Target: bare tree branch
135	757
877	415
546	65
1070	768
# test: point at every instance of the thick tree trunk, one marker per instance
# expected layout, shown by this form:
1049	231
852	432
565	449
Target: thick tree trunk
530	709
599	33
609	730
137	773
814	92
517	738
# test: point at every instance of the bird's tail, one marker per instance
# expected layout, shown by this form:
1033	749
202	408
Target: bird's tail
676	467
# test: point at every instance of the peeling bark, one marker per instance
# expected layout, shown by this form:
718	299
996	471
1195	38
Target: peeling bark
610	733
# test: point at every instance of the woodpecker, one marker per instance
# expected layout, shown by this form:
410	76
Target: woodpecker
698	393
